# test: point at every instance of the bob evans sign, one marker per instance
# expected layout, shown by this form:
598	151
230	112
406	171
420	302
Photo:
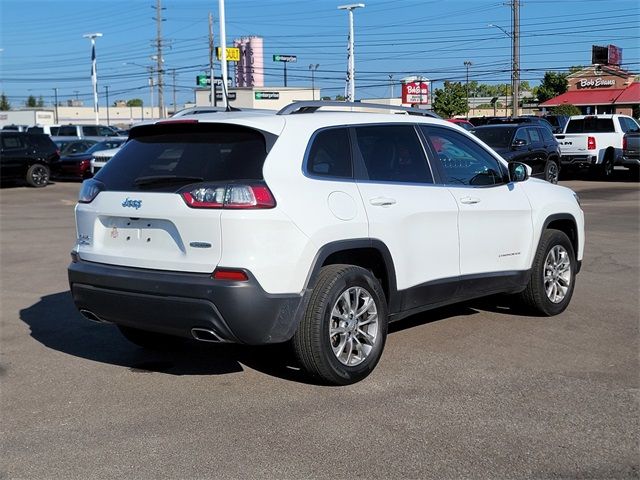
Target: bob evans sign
595	83
415	92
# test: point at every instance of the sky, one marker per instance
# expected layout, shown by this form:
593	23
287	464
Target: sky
42	48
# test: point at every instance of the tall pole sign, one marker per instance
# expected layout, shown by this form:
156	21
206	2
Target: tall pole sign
285	59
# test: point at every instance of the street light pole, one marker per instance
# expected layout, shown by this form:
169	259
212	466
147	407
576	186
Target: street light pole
94	72
351	96
467	64
55	90
515	52
313	67
106	89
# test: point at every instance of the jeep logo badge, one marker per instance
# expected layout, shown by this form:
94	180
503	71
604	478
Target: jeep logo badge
132	203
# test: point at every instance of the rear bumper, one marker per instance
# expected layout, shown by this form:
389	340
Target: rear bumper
578	160
173	303
631	160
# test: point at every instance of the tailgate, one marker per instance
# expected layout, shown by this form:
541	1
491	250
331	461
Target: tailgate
572	143
148	230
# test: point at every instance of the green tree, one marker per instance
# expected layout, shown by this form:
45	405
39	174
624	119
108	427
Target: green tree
134	102
566	109
450	100
31	101
552	85
4	103
40	102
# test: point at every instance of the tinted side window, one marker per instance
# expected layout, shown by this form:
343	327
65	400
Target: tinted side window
393	153
68	130
10	142
464	161
534	135
330	154
521	134
547	136
628	125
90	131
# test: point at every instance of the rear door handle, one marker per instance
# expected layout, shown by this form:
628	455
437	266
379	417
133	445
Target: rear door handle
382	201
469	200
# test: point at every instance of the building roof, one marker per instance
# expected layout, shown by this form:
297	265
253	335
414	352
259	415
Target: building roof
610	96
631	94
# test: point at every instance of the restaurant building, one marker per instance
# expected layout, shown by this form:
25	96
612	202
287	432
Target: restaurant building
603	87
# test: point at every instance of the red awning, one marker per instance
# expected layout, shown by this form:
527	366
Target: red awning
585	97
631	94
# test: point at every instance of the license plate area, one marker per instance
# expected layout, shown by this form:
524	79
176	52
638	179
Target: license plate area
140	233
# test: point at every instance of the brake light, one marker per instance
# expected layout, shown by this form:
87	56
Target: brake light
591	143
624	142
232	196
229	274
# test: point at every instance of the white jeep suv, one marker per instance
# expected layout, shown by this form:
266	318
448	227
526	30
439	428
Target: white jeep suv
318	227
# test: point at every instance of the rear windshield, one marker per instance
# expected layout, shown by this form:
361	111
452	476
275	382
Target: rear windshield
499	137
166	157
590	125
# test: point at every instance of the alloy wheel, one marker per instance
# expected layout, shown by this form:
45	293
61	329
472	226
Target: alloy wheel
557	273
353	327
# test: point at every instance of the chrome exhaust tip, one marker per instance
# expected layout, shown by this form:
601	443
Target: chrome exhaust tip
92	316
205	335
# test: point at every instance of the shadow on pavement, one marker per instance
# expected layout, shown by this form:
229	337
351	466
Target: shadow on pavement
55	322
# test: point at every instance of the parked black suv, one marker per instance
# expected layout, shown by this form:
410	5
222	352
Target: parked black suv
27	156
530	144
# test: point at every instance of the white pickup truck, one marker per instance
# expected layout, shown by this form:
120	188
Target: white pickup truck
595	141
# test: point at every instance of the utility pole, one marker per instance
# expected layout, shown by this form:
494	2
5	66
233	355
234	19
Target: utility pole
173	75
390	86
223	51
212	94
55	90
467	64
515	100
151	89
106	89
94	72
158	19
351	96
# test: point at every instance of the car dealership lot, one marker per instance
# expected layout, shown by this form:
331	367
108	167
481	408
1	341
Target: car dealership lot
469	391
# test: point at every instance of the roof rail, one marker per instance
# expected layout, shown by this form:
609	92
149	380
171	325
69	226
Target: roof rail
307	106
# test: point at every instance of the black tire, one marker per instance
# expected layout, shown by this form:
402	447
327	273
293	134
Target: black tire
605	171
312	343
38	175
535	295
149	340
552	171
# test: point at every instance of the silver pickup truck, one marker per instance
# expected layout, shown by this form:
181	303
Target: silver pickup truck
595	141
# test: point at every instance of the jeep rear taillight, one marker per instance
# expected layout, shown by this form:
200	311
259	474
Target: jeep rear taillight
591	143
231	196
624	143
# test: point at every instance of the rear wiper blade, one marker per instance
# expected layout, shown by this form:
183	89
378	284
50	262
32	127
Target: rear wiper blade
165	179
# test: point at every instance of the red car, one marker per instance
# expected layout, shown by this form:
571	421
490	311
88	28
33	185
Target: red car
461	122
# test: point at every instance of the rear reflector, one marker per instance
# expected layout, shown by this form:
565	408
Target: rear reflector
232	275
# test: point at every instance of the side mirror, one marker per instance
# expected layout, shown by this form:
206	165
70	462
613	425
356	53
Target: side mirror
518	172
519	142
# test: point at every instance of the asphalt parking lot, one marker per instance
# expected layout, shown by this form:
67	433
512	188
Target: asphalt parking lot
472	391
